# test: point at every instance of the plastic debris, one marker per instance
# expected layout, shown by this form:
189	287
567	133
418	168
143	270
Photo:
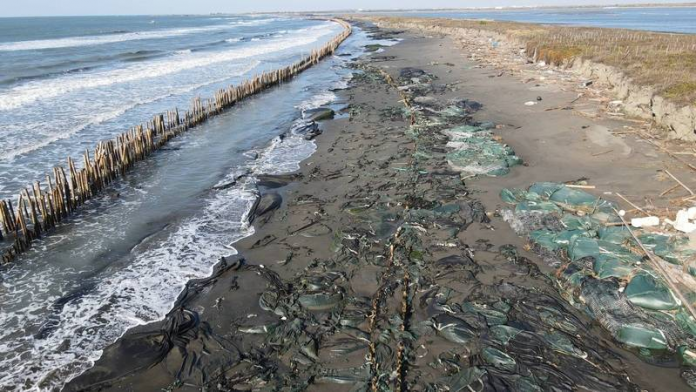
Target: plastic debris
683	220
467	380
642	337
603	270
498	359
645	222
646	291
475	151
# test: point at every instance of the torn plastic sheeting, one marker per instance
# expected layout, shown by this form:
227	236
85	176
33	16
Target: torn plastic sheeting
554	240
498	359
672	249
574	222
468	379
609	268
569	197
476	152
453	111
581	247
562	343
503	334
545	189
492	316
557	320
538	206
516	195
453	329
464	130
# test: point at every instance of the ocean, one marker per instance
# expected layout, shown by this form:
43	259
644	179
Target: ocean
664	19
121	261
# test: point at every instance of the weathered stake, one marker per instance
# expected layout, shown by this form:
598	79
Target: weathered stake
113	158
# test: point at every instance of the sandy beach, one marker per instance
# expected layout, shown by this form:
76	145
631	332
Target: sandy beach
379	266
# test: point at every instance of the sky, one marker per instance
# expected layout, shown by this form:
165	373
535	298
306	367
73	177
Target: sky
150	7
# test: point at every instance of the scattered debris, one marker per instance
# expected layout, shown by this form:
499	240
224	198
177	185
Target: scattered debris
600	264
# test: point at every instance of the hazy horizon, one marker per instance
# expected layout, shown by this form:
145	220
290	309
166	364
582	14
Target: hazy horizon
169	7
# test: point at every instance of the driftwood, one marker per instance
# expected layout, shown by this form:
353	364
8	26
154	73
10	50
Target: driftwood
632	205
679	182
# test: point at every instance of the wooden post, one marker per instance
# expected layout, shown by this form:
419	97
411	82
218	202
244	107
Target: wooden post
113	158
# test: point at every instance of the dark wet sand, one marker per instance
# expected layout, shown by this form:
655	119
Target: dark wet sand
383	270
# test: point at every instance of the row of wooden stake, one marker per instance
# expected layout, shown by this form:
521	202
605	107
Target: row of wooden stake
41	207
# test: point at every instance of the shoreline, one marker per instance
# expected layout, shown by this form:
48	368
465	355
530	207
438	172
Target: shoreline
541	7
374	232
112	159
506	46
55	335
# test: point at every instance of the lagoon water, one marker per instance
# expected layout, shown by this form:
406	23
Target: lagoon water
664	19
67	83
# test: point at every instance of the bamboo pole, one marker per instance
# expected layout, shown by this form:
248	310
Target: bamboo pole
109	160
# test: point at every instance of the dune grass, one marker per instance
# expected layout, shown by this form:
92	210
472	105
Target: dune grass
664	61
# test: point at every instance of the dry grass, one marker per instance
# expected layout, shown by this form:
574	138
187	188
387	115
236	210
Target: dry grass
666	62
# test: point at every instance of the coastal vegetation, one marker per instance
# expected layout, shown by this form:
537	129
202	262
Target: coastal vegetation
665	62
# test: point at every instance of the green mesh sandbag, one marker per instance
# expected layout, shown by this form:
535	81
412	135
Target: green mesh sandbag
465	129
453	111
573	197
487	125
565	238
574	222
613	268
687	355
641	337
674	250
499	172
513	160
686	321
545	239
614	234
545	189
605	216
447	209
648	292
512	196
610	250
583	247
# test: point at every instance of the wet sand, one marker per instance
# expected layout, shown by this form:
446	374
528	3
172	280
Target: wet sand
376	267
